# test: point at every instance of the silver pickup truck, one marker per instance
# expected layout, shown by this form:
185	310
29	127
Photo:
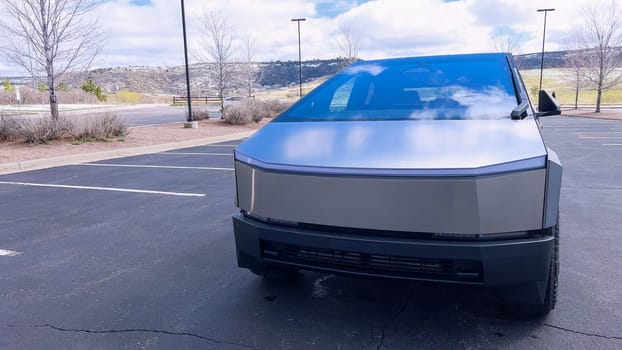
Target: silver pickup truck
424	168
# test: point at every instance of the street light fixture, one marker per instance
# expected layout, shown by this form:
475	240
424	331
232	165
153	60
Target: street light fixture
299	54
543	38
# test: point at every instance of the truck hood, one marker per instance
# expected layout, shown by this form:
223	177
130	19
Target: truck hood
407	147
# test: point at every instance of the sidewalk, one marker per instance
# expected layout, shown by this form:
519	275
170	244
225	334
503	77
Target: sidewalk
605	113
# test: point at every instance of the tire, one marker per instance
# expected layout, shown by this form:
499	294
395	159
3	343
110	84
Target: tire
550	297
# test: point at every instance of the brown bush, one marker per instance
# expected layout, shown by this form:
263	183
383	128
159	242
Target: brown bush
237	115
101	126
252	110
8	128
275	107
76	97
200	114
38	130
7	98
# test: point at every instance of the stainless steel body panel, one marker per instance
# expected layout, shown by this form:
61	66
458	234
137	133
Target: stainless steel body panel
398	147
499	203
553	188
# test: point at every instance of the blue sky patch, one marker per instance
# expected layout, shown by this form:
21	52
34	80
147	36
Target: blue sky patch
141	2
333	8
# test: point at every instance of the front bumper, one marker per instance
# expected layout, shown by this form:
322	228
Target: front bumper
518	267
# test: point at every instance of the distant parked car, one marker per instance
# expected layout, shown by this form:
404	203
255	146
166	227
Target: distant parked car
425	168
233	100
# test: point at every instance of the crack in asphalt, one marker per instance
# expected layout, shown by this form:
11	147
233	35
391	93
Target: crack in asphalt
395	317
583	333
135	330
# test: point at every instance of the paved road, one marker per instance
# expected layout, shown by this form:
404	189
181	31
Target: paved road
151	115
140	115
138	253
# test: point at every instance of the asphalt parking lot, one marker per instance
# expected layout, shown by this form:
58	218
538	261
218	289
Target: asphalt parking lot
138	253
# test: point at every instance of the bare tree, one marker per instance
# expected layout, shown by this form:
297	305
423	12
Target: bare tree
600	37
50	36
249	68
218	48
348	41
507	40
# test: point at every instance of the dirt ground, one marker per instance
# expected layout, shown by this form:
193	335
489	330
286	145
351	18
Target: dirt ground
17	151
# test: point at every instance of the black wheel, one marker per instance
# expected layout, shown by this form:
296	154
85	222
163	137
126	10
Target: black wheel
550	297
521	310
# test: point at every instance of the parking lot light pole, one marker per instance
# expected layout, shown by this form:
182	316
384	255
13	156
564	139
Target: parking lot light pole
189	121
299	54
543	38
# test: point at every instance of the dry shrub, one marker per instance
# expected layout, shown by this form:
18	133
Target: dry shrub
6	98
275	107
155	99
252	110
200	114
76	97
38	130
237	115
102	126
32	96
8	128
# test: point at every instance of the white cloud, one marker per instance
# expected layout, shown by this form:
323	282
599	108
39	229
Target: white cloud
151	35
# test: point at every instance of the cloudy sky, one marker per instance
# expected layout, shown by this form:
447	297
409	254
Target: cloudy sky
148	32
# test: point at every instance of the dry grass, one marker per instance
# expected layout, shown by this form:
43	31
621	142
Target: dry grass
562	81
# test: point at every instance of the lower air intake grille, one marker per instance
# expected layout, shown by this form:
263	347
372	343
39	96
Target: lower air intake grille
386	265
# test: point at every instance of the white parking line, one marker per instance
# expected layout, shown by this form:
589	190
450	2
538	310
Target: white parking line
5	252
600	132
113	189
600	137
197	153
156	166
612	144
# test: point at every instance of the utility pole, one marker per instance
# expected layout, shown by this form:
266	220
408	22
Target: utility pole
299	53
543	38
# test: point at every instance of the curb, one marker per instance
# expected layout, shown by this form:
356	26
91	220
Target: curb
36	164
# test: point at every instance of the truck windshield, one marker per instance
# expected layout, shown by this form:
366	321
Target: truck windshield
442	87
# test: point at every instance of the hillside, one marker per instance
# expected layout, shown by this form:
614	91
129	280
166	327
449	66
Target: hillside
269	75
171	80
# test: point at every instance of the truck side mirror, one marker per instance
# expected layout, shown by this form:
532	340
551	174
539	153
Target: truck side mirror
547	104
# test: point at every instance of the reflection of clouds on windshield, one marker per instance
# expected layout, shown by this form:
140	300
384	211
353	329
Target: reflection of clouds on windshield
373	69
490	102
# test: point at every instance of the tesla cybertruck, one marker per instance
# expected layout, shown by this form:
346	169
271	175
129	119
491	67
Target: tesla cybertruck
423	168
